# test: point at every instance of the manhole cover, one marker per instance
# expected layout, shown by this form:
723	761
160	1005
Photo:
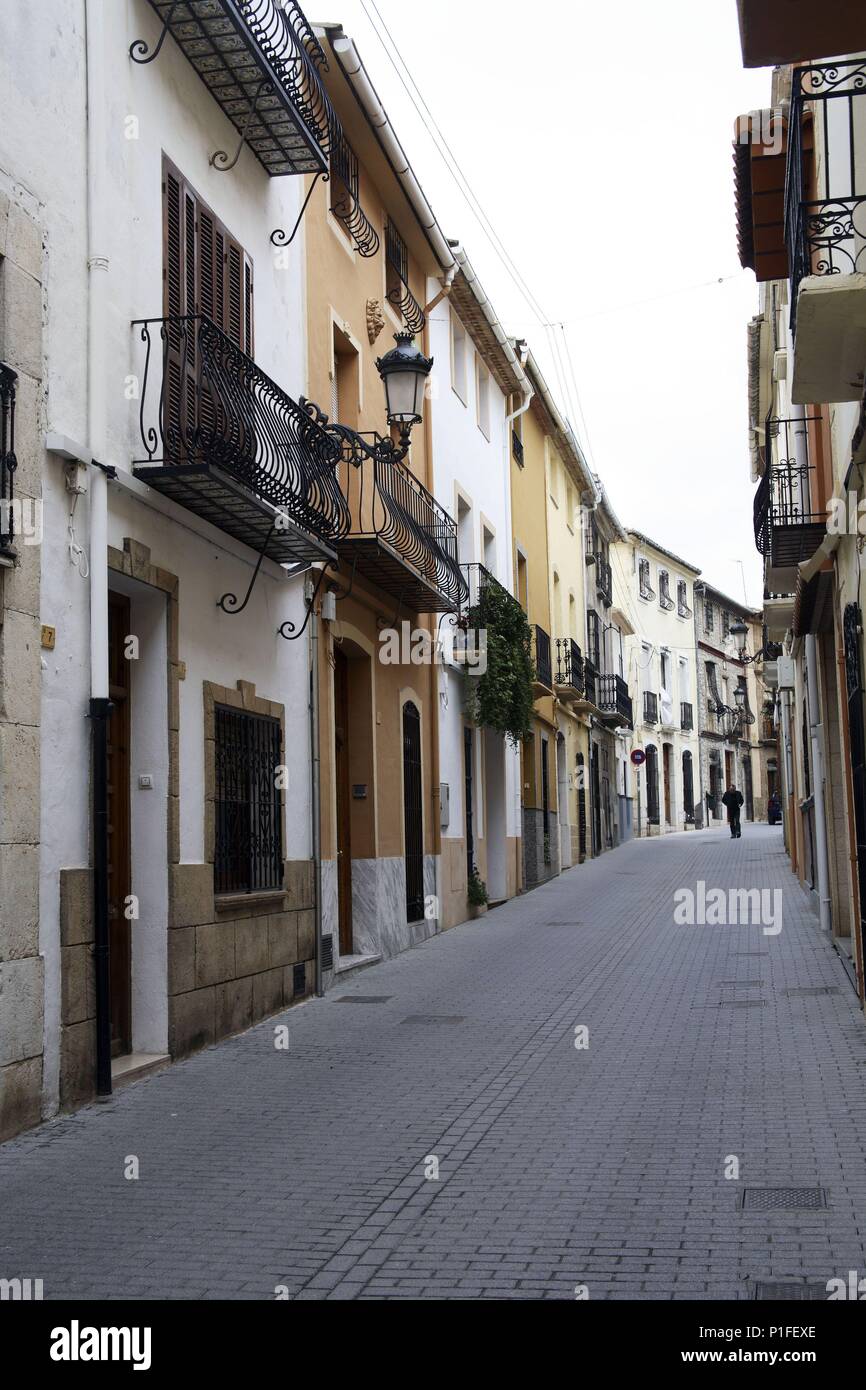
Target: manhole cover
779	1291
783	1199
433	1018
805	990
364	998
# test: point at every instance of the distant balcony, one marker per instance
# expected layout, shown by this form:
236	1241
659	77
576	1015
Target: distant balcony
650	708
784	31
687	717
665	600
262	64
613	699
603	580
517	448
222	439
541	655
682	603
400	538
569	669
590	683
825	229
8	461
789	526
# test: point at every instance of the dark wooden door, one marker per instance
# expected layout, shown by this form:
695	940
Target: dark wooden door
666	763
344	802
469	787
413	823
852	625
119	859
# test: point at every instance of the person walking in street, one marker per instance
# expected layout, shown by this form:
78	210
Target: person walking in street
733	800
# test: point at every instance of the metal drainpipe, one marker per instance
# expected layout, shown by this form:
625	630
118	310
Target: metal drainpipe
316	783
816	730
100	705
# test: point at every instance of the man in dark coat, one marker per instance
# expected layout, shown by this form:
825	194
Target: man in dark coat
733	800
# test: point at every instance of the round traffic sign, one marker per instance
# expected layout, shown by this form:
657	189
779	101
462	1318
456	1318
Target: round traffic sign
638	756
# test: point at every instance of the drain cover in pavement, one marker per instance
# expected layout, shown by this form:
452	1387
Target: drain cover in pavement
364	998
744	983
784	1199
751	953
433	1018
803	991
780	1291
742	1003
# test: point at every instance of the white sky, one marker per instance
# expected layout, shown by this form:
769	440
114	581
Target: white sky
597	138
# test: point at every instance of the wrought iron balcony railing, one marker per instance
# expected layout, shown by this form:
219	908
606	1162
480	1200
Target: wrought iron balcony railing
8	461
665	600
788	526
644	585
517	447
262	63
613	699
650	708
541	653
398	292
603	579
826	234
682	601
223	440
569	665
400	537
687	716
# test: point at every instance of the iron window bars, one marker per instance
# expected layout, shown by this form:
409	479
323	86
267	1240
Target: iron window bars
541	650
262	64
612	698
603	579
248	851
683	599
650	708
569	665
345	202
593	638
399	536
826	235
222	439
8	461
687	716
517	448
397	291
646	588
665	600
783	498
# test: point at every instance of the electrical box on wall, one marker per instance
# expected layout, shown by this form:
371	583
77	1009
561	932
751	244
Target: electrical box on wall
444	805
785	672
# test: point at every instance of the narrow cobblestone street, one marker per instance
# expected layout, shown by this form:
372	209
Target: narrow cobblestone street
557	1166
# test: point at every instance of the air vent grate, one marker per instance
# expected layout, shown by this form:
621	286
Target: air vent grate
327	952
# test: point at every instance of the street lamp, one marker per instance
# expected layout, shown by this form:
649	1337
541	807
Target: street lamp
769	652
404	371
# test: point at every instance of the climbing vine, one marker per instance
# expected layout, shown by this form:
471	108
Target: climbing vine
502	699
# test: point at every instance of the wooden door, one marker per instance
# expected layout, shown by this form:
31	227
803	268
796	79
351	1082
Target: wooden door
344	802
119	858
413	813
666	756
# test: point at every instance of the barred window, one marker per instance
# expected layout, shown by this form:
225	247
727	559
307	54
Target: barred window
709	616
248	854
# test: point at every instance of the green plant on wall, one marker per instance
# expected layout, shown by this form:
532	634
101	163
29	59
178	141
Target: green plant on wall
502	699
476	890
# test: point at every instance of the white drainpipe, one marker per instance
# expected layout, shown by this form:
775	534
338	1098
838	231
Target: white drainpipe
816	730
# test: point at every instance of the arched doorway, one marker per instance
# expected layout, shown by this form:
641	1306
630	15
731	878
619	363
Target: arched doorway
413	823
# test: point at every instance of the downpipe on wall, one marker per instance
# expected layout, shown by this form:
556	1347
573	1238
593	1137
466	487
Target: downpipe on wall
816	732
315	780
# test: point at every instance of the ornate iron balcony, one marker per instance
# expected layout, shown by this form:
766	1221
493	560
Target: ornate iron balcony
603	580
400	538
613	699
682	601
650	708
222	439
644	585
262	63
569	666
687	716
345	202
826	235
787	527
398	292
478	578
541	653
665	600
8	461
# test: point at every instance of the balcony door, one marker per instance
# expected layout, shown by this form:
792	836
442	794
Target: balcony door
205	272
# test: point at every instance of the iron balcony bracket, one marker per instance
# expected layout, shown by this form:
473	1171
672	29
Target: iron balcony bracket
354	446
219	160
342	594
138	51
289	630
229	602
278	236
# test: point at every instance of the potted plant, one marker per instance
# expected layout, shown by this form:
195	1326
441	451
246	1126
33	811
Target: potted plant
476	894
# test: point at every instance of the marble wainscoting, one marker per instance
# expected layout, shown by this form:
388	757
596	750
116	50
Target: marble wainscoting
379	906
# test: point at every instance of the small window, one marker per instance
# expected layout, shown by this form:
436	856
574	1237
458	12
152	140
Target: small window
248	852
522	582
483	401
458	358
345	381
709	617
726	622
